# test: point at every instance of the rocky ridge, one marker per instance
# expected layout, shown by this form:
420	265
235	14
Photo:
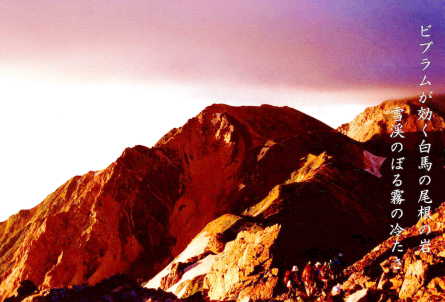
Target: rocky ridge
281	195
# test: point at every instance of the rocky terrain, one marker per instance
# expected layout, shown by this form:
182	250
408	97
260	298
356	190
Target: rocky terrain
421	276
374	125
219	208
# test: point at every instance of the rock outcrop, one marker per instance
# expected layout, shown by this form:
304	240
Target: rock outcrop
374	125
420	275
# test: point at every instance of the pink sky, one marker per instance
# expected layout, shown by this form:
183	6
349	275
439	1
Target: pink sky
82	80
306	44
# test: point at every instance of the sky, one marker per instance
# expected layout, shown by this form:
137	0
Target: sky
82	80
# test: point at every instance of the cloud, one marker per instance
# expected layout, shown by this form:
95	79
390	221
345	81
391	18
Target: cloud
312	44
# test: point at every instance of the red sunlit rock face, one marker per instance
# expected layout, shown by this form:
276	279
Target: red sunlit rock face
145	207
232	197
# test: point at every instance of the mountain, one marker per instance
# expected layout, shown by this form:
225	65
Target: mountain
420	276
141	211
319	210
218	208
374	125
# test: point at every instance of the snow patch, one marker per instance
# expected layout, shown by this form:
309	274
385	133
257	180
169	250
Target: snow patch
373	163
265	149
155	282
197	269
225	129
196	247
97	173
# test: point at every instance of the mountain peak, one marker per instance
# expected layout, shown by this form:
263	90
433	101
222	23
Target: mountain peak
144	208
379	120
